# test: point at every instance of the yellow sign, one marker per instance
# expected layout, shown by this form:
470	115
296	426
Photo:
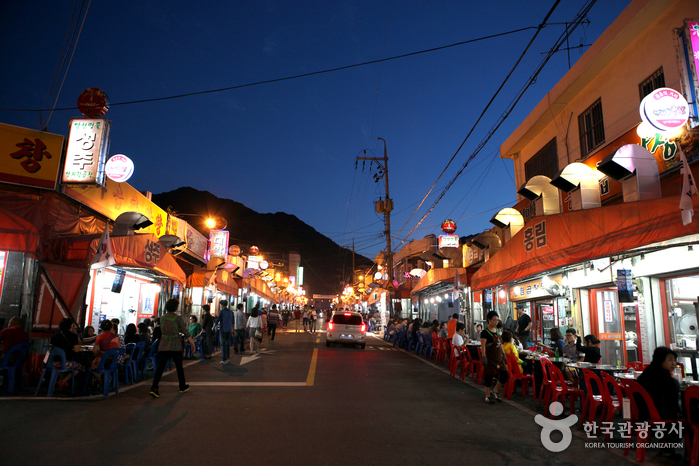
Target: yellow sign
390	286
115	198
28	157
535	288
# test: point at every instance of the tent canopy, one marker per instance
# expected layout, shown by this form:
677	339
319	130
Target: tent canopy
17	234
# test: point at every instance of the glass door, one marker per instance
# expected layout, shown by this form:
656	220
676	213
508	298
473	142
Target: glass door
607	320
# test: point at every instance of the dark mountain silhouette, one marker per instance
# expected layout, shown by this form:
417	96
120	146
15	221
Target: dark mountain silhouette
324	261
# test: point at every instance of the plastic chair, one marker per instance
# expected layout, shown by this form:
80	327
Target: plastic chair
14	370
477	368
110	374
560	389
637	366
428	347
50	366
692	441
152	357
592	402
454	362
516	375
440	351
198	347
126	365
465	363
546	383
637	394
137	358
420	343
409	341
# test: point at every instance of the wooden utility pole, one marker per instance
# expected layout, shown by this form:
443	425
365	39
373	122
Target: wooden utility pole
385	207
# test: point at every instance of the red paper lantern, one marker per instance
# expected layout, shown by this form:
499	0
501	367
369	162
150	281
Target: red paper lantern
254	250
449	226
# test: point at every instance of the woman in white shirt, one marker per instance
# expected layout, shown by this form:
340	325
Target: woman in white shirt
458	340
253	326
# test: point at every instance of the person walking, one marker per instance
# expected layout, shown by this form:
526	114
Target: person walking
170	346
313	317
272	322
297	319
254	327
225	321
207	325
239	341
285	318
306	313
494	359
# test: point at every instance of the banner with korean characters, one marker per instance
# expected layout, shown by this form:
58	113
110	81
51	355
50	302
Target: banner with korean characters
29	157
86	152
113	199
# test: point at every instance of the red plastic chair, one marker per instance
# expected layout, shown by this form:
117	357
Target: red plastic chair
611	386
516	375
546	383
636	393
592	402
560	389
465	363
454	362
692	441
440	355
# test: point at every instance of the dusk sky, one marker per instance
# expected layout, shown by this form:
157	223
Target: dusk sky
291	146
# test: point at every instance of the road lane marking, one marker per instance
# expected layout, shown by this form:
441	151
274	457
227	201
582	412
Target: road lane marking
312	370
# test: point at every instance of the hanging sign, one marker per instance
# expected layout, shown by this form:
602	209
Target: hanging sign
624	286
88	142
119	168
93	103
665	109
234	250
608	311
449	226
448	241
219	244
28	157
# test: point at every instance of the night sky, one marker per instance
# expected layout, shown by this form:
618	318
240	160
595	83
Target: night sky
290	146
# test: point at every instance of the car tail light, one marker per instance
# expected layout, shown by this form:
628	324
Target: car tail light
363	327
348	314
330	325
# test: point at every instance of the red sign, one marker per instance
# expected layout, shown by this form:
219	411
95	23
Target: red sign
608	311
254	250
449	226
93	103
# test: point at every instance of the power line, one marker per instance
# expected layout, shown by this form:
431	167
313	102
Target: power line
480	117
532	79
303	75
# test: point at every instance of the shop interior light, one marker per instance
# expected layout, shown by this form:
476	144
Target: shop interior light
210	223
439	300
426	301
432	300
502	294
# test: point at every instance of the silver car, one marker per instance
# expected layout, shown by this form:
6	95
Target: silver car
347	328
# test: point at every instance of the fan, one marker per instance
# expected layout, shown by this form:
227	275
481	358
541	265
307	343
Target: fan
687	324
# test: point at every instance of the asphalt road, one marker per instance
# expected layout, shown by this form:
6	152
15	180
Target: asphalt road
297	403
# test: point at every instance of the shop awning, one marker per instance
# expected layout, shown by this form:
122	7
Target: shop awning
142	251
557	240
223	281
17	234
435	276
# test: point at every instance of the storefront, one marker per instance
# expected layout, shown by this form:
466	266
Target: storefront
434	296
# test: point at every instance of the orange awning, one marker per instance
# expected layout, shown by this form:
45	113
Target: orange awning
142	251
17	234
439	275
224	280
562	239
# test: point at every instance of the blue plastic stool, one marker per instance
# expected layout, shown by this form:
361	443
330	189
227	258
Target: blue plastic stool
49	366
14	369
110	374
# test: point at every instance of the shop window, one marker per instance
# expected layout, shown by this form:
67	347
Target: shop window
591	126
651	83
682	306
544	162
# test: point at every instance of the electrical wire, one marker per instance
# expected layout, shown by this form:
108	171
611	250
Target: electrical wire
532	79
480	117
303	75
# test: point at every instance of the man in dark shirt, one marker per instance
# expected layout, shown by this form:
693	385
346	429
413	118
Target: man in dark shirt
524	326
207	324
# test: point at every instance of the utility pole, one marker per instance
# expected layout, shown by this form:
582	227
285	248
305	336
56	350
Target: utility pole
385	207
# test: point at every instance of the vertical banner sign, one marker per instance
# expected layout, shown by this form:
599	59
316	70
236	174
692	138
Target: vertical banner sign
608	311
219	244
624	286
88	144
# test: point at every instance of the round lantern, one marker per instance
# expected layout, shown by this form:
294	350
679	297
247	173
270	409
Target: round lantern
254	250
449	226
665	110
